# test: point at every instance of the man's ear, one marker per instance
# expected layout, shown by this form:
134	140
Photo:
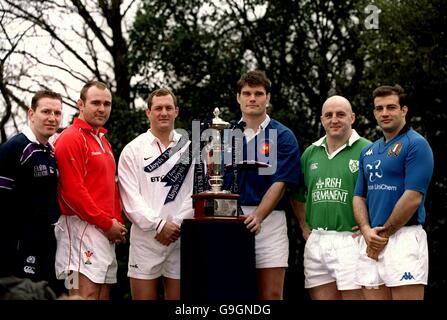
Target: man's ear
80	105
405	110
30	113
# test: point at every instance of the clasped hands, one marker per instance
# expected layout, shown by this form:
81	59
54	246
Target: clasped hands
376	241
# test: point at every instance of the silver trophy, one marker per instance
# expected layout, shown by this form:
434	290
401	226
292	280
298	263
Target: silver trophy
216	202
215	150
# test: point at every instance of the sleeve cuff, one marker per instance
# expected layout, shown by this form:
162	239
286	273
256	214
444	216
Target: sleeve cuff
160	225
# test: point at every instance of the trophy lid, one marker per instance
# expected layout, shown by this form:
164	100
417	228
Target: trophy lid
217	122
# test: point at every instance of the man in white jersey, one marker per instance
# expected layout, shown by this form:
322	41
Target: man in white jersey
154	203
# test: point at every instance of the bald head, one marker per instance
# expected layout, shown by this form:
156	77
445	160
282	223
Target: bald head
337	118
338	101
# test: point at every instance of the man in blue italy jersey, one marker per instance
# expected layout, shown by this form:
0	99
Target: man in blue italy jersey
394	175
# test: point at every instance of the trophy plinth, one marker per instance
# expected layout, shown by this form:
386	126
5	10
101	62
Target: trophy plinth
216	203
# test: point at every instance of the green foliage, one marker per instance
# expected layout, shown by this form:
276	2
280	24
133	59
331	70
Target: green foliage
310	50
304	46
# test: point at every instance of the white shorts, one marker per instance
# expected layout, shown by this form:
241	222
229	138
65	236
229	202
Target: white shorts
149	259
271	243
331	256
403	261
83	248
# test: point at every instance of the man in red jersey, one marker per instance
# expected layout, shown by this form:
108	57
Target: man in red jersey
91	222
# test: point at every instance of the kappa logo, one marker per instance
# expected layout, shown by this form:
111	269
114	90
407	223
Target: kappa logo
407	276
369	152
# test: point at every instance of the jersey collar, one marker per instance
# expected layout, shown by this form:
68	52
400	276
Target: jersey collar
85	126
322	143
262	126
404	130
174	138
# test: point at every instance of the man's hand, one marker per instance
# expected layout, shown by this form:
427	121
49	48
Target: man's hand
356	231
375	243
253	223
306	232
117	233
169	234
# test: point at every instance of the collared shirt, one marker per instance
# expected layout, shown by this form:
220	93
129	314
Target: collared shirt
28	178
387	169
28	200
329	182
276	145
87	167
250	134
322	142
143	193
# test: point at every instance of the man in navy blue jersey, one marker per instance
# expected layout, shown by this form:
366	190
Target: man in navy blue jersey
262	191
28	193
394	175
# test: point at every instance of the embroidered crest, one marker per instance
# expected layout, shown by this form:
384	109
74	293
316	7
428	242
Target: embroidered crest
353	165
264	148
88	254
395	150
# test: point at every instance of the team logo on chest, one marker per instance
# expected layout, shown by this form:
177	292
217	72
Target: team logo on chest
394	150
264	147
353	165
40	170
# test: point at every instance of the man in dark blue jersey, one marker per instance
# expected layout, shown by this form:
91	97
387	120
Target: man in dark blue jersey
262	189
28	193
394	175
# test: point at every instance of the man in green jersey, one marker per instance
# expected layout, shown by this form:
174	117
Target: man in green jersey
323	205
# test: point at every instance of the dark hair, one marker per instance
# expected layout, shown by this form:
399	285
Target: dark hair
160	93
254	78
44	94
397	90
88	85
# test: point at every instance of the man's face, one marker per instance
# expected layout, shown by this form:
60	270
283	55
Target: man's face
253	100
46	119
389	114
96	108
162	113
337	119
